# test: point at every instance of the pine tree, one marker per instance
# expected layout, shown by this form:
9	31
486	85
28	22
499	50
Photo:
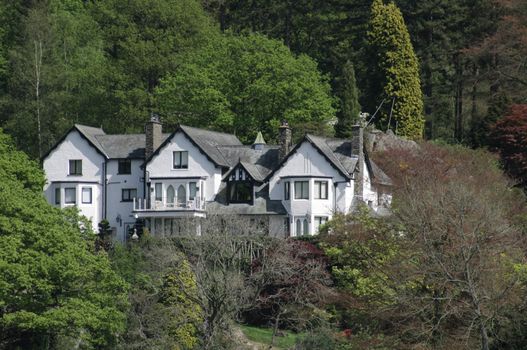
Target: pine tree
398	69
349	102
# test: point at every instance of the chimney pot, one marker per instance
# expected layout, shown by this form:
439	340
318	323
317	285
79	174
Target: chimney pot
285	139
357	151
153	134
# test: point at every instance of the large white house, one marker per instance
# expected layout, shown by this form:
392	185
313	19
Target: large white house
172	179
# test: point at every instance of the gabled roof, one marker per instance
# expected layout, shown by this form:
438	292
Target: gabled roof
322	146
88	133
207	142
130	146
251	169
258	163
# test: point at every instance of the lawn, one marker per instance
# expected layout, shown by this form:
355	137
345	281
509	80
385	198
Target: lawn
264	336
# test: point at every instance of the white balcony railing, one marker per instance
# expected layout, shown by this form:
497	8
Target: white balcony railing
142	204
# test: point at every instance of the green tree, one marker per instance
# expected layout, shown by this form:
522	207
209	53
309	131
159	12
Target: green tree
348	114
246	84
164	313
56	76
55	291
143	40
397	71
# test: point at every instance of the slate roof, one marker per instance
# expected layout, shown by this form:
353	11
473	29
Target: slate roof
130	146
258	163
226	150
207	141
90	133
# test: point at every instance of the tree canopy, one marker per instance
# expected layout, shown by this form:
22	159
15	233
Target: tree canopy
245	84
396	74
55	291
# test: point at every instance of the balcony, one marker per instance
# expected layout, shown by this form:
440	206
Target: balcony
169	207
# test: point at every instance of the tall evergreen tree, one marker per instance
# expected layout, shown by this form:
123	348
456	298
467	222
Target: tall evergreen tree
349	102
397	70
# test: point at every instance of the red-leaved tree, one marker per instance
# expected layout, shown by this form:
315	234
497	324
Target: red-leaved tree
509	139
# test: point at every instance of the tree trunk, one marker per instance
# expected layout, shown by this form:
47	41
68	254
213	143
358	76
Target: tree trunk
38	70
275	328
458	114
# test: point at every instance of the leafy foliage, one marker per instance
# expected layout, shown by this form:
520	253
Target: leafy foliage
246	84
348	114
55	291
397	75
509	138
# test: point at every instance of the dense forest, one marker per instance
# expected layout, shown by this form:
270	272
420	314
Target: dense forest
446	270
241	66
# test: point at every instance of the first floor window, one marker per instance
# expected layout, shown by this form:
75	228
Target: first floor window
321	190
301	189
70	195
181	160
75	167
192	189
125	166
319	221
128	194
287	190
57	195
86	195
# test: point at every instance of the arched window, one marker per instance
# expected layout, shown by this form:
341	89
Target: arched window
181	196
306	227
298	227
170	196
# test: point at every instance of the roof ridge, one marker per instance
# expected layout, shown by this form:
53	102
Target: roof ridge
208	130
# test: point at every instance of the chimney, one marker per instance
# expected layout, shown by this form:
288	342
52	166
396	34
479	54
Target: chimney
284	139
153	130
357	151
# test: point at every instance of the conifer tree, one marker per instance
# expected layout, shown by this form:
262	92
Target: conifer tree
398	70
349	102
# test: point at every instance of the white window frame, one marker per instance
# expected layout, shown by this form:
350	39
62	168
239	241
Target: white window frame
303	191
87	190
182	157
71	190
319	192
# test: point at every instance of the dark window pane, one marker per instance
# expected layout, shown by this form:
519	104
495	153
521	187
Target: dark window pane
70	195
125	166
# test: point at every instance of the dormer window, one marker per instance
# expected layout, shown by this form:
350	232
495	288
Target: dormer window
181	160
240	187
240	192
75	167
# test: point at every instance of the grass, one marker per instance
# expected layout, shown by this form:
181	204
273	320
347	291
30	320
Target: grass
265	335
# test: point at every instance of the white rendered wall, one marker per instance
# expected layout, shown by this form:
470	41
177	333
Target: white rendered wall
161	165
307	164
116	208
56	168
369	192
277	226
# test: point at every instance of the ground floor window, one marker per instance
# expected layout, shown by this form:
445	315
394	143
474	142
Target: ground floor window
301	227
319	221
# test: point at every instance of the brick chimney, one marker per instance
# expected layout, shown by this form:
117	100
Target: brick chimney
284	139
357	151
153	134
